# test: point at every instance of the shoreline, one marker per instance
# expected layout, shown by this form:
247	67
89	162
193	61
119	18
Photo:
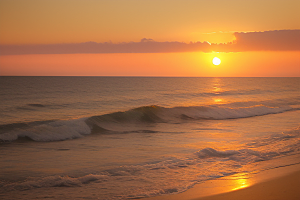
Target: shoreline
274	184
286	187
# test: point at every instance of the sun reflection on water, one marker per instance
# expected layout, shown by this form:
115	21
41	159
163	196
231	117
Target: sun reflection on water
241	183
241	180
218	100
217	90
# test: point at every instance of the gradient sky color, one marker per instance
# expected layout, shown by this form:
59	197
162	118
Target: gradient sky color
72	21
76	21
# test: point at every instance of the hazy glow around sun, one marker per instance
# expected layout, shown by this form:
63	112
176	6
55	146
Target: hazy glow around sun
216	61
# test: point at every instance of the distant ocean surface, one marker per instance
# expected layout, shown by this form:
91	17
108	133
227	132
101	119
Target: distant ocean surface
134	137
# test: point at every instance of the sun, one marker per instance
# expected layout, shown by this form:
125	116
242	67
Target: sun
216	61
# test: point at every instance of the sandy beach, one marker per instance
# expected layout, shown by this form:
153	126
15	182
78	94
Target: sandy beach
286	187
262	186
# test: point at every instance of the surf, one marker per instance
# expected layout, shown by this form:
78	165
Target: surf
50	130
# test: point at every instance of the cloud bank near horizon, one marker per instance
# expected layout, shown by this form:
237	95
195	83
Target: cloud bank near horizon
277	40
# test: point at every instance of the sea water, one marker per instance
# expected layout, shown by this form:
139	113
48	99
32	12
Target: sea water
135	137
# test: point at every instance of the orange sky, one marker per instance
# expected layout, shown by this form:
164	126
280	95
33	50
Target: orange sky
69	21
242	64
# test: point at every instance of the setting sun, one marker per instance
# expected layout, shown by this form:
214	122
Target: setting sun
216	61
169	99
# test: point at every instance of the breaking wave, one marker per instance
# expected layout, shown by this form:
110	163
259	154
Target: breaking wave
53	181
70	129
47	131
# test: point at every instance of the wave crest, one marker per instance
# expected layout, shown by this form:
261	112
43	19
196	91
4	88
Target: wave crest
148	114
53	181
71	129
53	131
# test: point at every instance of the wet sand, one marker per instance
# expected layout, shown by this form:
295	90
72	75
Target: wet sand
275	184
286	187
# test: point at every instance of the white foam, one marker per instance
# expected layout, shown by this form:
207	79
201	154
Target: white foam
71	129
243	156
217	163
54	131
209	153
53	181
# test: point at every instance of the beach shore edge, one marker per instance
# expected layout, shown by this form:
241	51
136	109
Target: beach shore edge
274	184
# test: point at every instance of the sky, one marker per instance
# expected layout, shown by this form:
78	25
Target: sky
150	37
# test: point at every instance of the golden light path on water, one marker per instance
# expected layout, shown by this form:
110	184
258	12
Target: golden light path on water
217	90
241	183
237	181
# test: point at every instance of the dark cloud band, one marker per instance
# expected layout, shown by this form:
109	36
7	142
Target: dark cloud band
278	40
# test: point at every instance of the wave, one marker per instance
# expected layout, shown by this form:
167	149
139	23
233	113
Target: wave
32	106
44	131
222	112
157	114
243	155
36	105
219	163
53	181
259	149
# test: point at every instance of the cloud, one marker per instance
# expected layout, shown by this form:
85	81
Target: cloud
278	40
147	40
144	46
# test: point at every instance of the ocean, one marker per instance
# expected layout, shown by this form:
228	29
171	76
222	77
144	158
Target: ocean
134	137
